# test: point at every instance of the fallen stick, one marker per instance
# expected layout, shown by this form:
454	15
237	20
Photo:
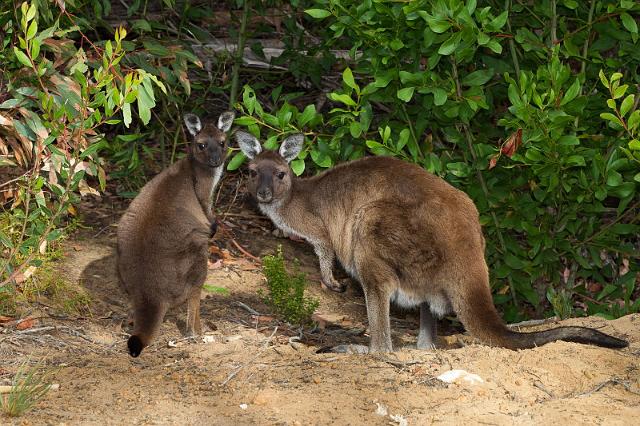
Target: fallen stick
531	323
248	308
9	389
243	251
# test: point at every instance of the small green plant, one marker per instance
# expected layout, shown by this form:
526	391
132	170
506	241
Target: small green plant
29	386
286	291
215	289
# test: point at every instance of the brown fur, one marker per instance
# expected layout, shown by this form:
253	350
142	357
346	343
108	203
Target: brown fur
406	235
163	235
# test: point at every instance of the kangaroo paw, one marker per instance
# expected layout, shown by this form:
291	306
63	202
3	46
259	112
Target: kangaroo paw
336	286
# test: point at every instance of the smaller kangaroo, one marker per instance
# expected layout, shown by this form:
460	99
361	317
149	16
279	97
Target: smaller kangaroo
406	235
163	235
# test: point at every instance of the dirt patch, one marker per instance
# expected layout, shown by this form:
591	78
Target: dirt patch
254	370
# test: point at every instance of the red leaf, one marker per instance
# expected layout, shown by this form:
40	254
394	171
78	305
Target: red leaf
27	323
512	144
493	161
4	319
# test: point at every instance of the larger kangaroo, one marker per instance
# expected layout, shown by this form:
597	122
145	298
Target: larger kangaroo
163	235
406	235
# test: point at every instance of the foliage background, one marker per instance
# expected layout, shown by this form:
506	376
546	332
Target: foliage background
531	107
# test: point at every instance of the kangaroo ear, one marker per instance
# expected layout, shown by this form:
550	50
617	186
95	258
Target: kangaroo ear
248	143
291	147
226	120
193	124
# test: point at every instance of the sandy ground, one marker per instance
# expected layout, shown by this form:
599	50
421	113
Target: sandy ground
255	370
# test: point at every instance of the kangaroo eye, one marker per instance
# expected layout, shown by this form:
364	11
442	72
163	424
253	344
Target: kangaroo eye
201	146
281	175
253	173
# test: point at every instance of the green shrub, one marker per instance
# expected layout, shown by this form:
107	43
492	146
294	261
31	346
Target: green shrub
286	291
504	101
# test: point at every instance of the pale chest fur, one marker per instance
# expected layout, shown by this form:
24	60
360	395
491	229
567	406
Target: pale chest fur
217	174
273	212
205	189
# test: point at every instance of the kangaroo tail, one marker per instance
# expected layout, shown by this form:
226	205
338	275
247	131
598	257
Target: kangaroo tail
147	321
477	313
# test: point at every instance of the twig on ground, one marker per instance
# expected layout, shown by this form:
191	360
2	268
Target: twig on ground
9	389
540	386
247	308
614	381
35	330
246	253
531	323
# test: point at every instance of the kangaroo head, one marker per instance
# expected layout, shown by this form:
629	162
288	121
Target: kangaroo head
270	174
209	143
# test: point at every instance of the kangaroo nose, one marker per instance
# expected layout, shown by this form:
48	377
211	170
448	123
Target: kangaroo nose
264	194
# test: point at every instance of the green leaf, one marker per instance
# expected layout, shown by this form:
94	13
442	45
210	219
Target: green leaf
471	6
20	55
405	94
439	96
355	129
403	139
377	148
318	13
459	169
477	78
619	91
245	120
33	29
514	262
629	23
396	44
31	13
483	39
307	115
571	4
498	22
10	103
610	117
341	97
236	161
297	166
626	105
614	178
271	143
449	46
126	114
603	79
249	99
634	119
569	140
572	92
576	160
495	46
439	26
347	77
321	159
634	145
534	155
